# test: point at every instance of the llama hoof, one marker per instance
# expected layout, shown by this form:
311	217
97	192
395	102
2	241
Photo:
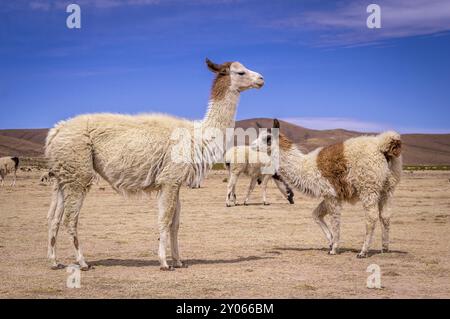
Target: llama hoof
266	204
86	268
331	252
362	255
166	268
385	250
57	267
245	204
180	265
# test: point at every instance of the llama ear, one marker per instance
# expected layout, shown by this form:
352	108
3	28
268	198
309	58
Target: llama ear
258	125
213	67
276	123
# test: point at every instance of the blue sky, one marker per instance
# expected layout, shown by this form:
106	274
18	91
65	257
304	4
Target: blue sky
323	67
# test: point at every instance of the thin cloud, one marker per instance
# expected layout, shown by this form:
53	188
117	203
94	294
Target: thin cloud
352	124
328	123
346	25
47	5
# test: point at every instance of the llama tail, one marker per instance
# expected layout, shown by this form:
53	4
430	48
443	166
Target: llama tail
16	162
390	144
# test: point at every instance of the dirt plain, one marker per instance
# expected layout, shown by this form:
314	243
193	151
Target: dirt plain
254	251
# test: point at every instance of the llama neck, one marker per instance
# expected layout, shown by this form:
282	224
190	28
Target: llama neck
221	112
300	170
291	161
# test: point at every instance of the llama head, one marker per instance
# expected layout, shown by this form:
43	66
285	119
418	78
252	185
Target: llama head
234	76
264	139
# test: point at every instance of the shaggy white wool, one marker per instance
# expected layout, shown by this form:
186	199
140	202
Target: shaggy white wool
135	154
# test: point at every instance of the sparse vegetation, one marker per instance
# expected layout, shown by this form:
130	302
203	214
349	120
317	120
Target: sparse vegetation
426	167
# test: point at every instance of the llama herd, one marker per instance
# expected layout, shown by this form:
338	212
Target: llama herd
134	155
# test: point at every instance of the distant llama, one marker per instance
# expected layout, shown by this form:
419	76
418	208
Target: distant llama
9	164
133	154
244	159
365	169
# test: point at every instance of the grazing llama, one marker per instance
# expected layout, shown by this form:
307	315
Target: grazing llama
245	159
365	169
133	154
7	165
45	177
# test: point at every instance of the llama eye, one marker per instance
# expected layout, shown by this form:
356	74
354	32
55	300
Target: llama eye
241	73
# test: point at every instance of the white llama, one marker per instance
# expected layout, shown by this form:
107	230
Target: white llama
8	164
244	159
133	154
365	169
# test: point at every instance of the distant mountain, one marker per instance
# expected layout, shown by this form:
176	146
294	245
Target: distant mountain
22	142
419	149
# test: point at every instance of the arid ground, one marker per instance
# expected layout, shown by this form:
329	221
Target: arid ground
274	251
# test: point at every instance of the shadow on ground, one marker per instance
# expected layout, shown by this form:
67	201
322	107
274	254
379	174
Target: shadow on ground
341	250
144	263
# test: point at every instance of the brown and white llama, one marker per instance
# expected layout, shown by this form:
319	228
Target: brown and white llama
133	154
365	169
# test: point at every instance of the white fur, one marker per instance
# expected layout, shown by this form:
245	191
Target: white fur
244	159
372	177
133	154
7	165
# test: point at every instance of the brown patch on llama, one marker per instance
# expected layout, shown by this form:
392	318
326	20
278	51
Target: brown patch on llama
284	142
395	149
222	82
334	167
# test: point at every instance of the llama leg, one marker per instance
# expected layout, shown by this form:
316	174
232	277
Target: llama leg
73	200
264	187
318	214
177	263
284	189
231	195
167	202
54	217
281	187
371	220
2	177
14	178
251	187
334	209
385	218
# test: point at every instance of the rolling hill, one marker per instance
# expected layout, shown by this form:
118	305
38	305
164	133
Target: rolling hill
419	149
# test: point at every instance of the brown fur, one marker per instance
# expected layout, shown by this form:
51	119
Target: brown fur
395	149
284	142
333	166
221	83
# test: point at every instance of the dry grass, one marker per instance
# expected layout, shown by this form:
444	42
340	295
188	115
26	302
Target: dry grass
256	251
